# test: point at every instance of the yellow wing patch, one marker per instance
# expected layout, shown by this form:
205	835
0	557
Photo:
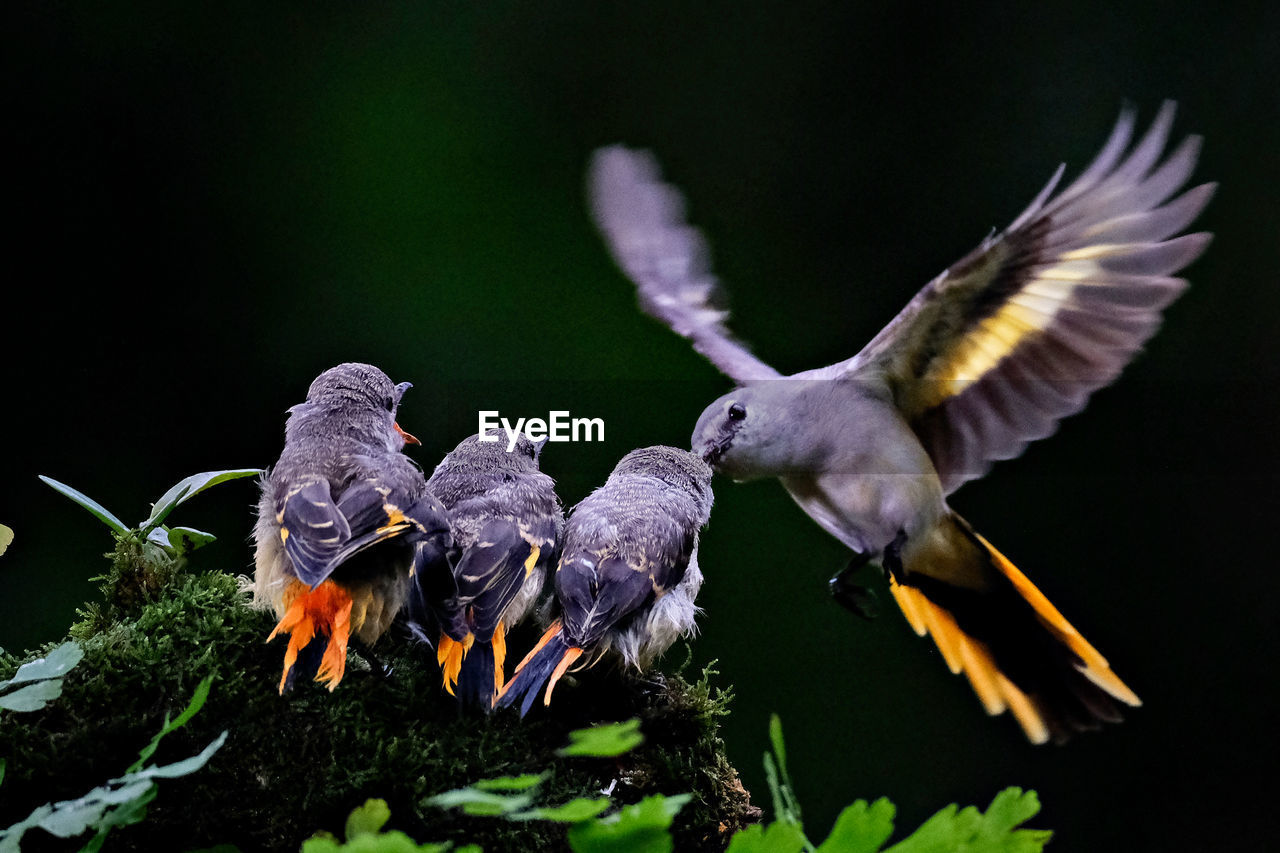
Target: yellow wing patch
1028	312
534	553
1025	313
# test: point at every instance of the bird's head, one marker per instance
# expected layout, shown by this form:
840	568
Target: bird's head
363	398
743	433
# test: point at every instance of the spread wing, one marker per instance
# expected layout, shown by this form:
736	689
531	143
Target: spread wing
991	354
643	223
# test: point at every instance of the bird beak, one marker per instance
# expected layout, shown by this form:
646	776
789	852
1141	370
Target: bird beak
713	450
408	437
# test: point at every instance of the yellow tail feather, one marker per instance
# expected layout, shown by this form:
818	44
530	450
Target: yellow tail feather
954	557
449	654
565	662
964	654
1096	668
499	656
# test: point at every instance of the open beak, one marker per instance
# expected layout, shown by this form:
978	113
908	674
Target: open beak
408	437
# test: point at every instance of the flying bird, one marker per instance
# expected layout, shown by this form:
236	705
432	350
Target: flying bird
628	573
344	519
987	357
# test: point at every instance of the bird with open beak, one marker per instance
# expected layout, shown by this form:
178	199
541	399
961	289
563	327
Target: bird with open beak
344	520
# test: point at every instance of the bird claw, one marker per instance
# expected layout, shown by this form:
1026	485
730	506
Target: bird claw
857	599
380	670
852	595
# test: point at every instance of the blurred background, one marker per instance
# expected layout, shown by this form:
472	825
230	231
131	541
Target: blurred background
211	204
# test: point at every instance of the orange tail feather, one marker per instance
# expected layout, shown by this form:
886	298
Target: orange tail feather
449	654
325	610
993	625
565	662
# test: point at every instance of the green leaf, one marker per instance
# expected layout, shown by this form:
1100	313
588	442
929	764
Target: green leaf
510	783
639	828
11	838
6	537
387	842
860	828
33	697
1009	808
786	807
574	811
604	741
160	536
321	843
56	664
485	803
185	767
777	837
778	744
969	830
198	699
187	539
368	819
73	817
184	490
103	514
131	809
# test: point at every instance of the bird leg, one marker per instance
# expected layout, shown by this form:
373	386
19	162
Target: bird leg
852	594
892	559
379	669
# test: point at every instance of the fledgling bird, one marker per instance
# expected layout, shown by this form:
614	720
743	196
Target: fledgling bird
989	356
344	519
628	573
506	522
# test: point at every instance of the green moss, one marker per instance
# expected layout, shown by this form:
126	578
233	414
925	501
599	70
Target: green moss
302	762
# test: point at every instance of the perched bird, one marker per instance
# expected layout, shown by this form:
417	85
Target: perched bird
628	571
986	358
507	523
344	519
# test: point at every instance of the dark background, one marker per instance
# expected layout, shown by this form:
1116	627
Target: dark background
209	205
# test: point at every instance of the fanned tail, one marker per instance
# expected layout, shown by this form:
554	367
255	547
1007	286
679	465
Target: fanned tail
318	622
545	664
1016	649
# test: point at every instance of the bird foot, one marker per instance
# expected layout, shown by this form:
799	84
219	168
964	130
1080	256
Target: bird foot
852	594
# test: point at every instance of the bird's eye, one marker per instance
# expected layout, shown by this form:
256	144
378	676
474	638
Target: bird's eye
390	403
737	412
